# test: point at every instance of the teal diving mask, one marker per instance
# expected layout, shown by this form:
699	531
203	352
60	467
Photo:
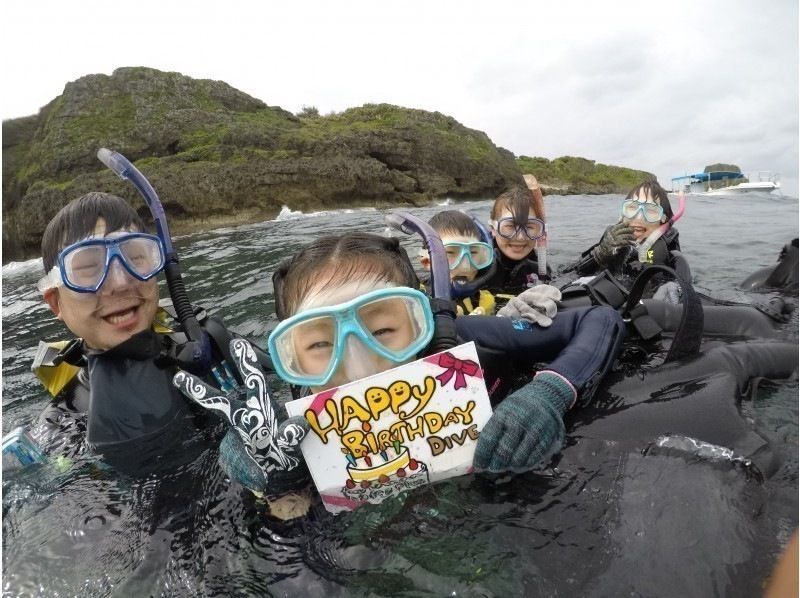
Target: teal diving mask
395	324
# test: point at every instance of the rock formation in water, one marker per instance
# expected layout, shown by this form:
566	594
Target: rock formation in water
218	156
215	153
570	175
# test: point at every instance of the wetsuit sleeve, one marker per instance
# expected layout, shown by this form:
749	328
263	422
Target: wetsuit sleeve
581	345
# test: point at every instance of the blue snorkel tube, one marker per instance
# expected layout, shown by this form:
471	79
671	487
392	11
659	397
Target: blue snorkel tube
195	355
442	304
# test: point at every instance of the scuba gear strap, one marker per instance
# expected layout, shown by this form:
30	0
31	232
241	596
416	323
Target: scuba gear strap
689	333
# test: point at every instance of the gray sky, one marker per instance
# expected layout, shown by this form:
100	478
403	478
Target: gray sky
664	86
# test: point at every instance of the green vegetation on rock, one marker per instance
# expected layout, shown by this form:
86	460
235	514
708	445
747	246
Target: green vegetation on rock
215	155
571	176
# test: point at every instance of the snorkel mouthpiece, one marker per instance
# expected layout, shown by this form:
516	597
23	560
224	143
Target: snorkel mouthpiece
645	246
195	355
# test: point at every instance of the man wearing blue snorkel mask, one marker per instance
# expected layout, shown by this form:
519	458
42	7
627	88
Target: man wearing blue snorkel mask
112	386
101	281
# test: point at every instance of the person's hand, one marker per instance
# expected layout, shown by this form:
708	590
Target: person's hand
527	428
537	304
615	237
256	451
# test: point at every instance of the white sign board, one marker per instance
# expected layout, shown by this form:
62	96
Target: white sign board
402	428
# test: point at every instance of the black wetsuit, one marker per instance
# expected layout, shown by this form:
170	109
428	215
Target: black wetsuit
123	407
580	344
512	277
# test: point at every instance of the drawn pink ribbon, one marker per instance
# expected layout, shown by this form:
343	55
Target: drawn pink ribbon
459	367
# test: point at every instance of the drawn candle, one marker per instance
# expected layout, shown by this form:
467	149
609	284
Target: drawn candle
397	446
350	458
384	456
368	460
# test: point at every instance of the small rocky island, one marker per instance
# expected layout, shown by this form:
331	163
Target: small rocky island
218	156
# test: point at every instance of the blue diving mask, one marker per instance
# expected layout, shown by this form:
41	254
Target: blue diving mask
308	348
479	254
84	266
651	212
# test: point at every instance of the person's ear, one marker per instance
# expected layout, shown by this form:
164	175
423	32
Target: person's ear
51	298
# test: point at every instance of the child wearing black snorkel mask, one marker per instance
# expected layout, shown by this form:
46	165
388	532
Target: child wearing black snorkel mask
519	232
350	307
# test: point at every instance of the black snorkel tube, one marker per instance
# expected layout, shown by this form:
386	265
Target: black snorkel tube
194	355
442	304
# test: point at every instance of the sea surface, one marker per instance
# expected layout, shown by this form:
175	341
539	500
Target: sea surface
87	532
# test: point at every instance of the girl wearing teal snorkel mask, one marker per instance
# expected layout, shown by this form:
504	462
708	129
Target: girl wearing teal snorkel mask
350	307
635	241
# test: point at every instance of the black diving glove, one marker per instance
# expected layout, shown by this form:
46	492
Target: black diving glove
617	237
256	451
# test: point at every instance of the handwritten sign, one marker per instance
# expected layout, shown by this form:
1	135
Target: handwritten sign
394	431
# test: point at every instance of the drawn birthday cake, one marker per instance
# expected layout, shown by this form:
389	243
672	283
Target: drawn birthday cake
376	476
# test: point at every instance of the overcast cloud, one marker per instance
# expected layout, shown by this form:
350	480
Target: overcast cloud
665	86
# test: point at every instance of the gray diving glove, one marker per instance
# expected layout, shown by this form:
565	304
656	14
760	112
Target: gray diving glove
256	451
537	305
527	428
616	237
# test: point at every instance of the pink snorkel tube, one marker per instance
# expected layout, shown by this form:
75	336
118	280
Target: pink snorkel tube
541	254
656	234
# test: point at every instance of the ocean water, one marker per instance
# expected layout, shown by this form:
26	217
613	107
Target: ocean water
90	533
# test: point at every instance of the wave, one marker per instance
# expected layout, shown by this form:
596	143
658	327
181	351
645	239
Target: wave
287	213
17	268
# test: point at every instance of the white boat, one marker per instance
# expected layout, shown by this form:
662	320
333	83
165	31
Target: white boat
701	183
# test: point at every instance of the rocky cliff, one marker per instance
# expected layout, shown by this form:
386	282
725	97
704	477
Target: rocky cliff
214	153
571	175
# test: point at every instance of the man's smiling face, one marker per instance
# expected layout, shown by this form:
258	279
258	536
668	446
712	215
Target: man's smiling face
122	307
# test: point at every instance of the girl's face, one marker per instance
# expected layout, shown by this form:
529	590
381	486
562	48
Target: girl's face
516	248
642	228
387	320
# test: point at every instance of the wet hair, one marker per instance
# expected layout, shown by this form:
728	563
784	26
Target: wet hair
336	259
455	222
517	200
656	191
78	219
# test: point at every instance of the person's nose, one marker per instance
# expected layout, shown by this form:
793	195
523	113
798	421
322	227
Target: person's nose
358	360
519	234
118	278
462	267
